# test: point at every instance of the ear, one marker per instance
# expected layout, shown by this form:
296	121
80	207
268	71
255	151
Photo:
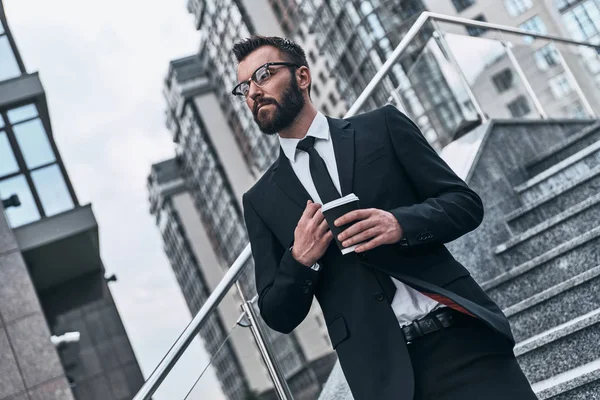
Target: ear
303	77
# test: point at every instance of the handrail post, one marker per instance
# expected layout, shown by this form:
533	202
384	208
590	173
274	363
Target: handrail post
191	331
584	101
528	88
266	351
438	34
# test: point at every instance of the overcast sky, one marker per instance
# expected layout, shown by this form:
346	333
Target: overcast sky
102	64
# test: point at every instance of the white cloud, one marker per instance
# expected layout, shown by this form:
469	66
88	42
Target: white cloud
102	65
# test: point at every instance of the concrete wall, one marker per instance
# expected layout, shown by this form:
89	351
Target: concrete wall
29	365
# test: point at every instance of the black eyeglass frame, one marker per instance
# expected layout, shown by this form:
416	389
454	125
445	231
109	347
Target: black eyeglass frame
237	93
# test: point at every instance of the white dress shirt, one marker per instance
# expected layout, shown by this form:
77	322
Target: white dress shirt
408	304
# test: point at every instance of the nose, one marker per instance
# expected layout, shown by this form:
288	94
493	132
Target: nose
254	92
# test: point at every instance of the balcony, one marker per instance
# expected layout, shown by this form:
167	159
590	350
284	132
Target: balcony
60	248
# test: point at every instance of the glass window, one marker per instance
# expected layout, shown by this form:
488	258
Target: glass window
519	107
476	31
503	80
564	4
34	143
591	58
576	110
560	86
52	189
461	5
1	28
517	7
8	163
8	63
25	213
583	21
546	57
534	24
22	113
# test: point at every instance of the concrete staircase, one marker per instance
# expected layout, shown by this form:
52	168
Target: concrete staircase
550	287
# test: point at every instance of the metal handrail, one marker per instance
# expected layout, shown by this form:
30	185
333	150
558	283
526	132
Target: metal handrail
420	22
193	328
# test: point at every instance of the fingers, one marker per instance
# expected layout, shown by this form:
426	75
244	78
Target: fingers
328	237
322	228
361	237
310	210
352	216
371	244
356	229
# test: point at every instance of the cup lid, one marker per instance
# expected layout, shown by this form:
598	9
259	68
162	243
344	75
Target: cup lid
338	202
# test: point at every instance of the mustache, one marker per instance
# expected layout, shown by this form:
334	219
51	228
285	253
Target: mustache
263	103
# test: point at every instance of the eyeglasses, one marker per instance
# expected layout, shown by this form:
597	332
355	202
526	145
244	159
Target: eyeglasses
260	77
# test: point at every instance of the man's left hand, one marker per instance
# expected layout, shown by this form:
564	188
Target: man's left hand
373	228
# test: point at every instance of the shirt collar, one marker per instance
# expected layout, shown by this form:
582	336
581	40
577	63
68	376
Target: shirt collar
319	128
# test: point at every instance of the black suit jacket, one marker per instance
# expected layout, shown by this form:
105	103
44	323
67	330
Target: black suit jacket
383	158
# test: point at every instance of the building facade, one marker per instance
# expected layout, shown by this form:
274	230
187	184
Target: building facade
198	270
61	336
554	71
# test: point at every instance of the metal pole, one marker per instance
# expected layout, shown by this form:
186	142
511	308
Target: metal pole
266	351
584	101
385	68
190	332
528	88
444	45
414	30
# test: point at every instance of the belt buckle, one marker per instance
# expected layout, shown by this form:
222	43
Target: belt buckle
427	325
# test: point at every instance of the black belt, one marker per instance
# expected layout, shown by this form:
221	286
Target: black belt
432	322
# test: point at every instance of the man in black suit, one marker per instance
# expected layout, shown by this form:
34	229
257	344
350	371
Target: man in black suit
406	319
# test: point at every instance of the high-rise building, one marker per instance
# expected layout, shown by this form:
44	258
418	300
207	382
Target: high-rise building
496	82
325	93
61	336
198	270
212	173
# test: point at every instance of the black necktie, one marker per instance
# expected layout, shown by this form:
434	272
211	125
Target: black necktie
318	170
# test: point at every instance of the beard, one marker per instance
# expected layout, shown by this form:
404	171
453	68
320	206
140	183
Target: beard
285	113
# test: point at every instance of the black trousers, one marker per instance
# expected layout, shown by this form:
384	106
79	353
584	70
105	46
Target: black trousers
467	361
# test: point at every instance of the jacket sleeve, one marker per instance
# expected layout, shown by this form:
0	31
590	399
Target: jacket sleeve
285	287
448	208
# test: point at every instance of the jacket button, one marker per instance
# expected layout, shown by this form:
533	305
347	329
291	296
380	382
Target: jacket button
361	256
379	296
305	289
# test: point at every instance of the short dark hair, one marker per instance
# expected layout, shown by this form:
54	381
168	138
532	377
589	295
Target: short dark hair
292	52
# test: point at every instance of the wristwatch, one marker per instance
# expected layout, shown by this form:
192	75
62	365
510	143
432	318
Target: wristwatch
315	267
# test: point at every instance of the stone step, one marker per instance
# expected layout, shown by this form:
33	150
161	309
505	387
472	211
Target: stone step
581	383
554	203
550	233
560	349
556	305
564	149
558	176
545	271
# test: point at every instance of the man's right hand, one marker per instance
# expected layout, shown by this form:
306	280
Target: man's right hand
312	235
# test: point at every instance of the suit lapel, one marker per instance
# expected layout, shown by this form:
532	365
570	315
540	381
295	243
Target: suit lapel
288	182
343	145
